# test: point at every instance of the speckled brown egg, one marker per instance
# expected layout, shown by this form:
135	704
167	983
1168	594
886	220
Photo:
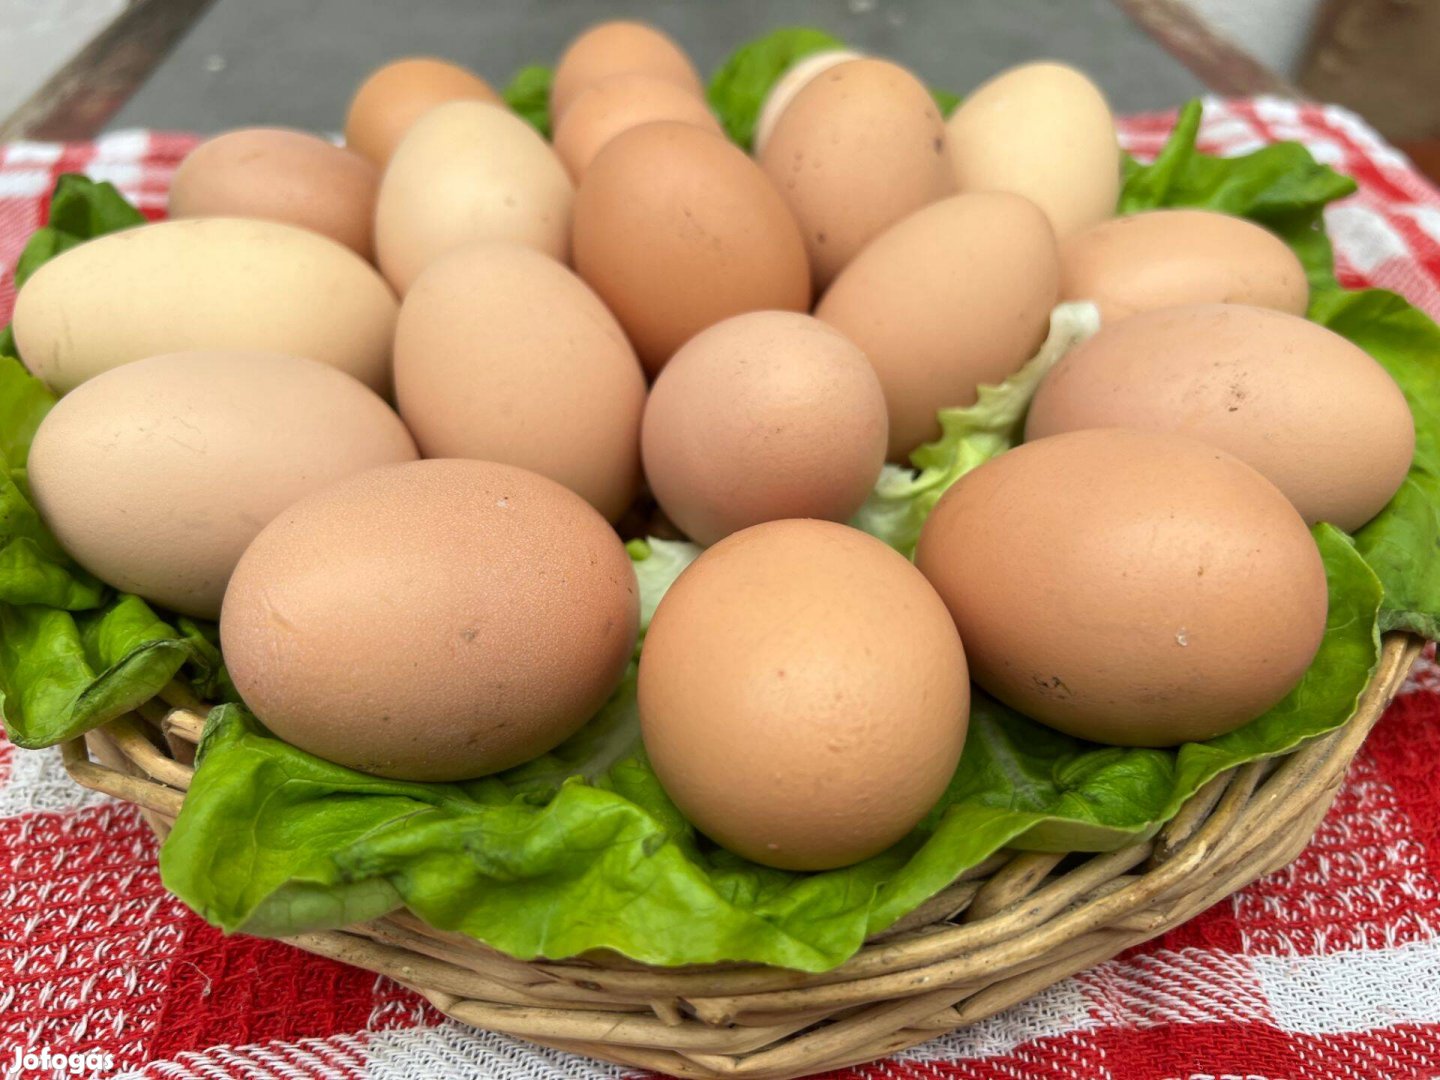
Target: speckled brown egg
1308	409
503	354
795	78
956	295
469	171
861	146
1165	258
230	284
764	416
614	48
437	620
618	103
393	97
280	175
156	475
1045	131
803	695
1128	587
677	229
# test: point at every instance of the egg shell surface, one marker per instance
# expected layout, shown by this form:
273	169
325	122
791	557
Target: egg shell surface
393	97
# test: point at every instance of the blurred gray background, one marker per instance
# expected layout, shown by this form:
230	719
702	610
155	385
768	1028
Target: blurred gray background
296	61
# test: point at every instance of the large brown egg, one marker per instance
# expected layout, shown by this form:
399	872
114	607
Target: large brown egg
1309	410
469	171
1165	258
615	48
956	295
803	695
677	229
230	284
156	475
1045	131
438	620
764	416
393	97
503	354
618	103
1128	587
861	146
280	175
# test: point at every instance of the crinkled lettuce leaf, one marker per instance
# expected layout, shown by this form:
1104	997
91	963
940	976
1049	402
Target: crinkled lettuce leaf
970	436
528	94
582	850
73	653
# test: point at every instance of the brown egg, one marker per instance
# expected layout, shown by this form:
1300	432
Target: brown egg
156	475
677	229
280	175
469	171
228	284
393	97
860	147
763	416
1044	131
432	621
796	77
803	695
618	103
1313	413
503	354
1128	587
615	48
956	295
1164	258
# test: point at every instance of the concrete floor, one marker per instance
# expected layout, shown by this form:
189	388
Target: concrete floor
296	62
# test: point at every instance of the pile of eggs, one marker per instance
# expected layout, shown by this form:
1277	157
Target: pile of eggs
378	409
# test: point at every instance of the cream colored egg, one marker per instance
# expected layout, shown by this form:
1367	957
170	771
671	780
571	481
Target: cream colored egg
156	475
436	620
956	295
859	148
1045	131
796	76
205	283
469	171
503	354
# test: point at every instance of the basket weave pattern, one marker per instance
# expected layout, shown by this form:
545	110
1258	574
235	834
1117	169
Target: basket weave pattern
1003	931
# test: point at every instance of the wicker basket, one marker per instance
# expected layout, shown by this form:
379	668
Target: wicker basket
1001	932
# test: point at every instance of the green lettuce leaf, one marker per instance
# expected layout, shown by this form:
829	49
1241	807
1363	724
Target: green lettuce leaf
528	94
1283	188
903	498
738	89
1280	186
581	849
1402	543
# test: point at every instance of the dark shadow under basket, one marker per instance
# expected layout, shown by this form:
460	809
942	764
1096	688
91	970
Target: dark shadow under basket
1001	932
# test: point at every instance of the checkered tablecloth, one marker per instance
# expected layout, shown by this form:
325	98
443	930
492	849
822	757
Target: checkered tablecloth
1329	969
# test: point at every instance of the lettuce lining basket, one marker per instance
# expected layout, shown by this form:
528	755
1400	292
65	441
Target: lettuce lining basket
1006	929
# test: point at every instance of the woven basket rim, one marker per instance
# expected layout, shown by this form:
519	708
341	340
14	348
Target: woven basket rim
1015	924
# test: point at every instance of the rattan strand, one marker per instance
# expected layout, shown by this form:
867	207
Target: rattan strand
1001	932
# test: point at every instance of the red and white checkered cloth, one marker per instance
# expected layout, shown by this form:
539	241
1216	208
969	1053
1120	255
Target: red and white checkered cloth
1328	969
